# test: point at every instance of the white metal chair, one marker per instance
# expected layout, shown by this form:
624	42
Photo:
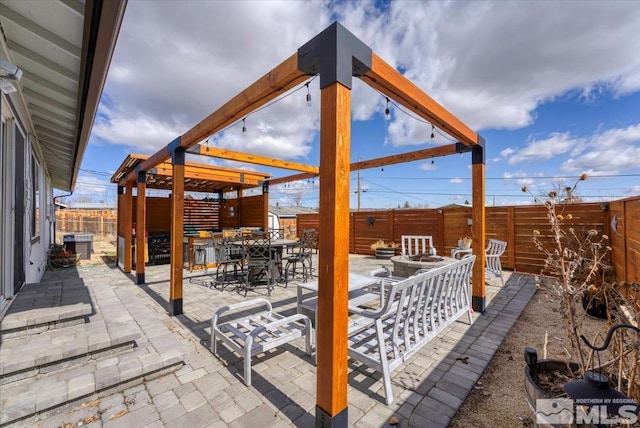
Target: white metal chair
258	332
413	245
492	256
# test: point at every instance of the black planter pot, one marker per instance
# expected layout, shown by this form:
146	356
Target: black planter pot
533	392
594	306
385	253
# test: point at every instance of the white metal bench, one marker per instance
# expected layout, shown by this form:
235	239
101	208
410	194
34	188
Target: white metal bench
258	332
416	310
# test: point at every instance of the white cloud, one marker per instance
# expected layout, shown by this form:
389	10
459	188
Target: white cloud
519	177
456	180
507	152
88	186
428	166
490	63
557	144
609	152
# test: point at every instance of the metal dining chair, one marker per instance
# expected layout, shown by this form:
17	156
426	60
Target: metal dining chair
229	256
494	250
300	263
259	262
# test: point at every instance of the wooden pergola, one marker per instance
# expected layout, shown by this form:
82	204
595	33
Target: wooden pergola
337	56
198	177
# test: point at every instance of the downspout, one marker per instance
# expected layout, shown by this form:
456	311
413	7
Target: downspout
54	213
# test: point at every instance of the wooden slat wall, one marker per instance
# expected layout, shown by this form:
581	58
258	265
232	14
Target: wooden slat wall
419	222
367	227
203	215
252	209
631	231
618	240
457	227
307	221
515	225
227	221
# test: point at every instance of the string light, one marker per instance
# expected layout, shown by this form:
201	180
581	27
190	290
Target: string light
432	161
433	136
308	95
382	169
244	128
387	112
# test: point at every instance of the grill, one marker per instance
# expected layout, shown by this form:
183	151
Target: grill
159	248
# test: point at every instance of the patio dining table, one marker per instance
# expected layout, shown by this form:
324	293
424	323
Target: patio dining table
278	246
360	292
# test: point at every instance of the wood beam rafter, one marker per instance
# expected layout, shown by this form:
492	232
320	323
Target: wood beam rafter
394	85
429	153
217	152
278	81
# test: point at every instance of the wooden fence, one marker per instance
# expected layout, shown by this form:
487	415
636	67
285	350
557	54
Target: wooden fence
513	224
625	238
101	223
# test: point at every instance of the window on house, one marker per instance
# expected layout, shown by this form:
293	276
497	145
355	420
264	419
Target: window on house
35	188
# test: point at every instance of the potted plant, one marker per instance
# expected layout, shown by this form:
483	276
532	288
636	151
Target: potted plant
465	243
384	250
576	265
59	257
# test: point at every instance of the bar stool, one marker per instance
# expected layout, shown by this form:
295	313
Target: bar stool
200	254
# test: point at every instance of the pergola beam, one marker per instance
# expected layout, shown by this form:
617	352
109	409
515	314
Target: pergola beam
217	152
429	153
276	82
395	86
234	178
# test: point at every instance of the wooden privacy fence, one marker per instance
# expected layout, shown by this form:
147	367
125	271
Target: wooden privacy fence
513	224
101	223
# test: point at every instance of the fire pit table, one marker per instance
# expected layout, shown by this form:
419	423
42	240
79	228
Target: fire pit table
407	266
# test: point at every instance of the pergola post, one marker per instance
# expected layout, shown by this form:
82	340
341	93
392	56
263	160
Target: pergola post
265	205
141	226
333	257
337	55
128	227
177	228
119	220
478	227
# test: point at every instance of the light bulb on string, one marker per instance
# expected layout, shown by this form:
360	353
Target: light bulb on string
387	112
433	136
308	95
432	161
382	169
244	128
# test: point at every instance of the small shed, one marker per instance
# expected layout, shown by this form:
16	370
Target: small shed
287	218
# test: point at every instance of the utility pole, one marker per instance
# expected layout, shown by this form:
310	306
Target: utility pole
359	189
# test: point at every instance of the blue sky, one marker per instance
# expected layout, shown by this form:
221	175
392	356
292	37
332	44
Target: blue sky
553	87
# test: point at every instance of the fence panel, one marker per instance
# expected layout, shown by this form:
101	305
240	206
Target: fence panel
514	224
101	223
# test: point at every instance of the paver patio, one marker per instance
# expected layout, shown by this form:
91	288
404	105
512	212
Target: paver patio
208	391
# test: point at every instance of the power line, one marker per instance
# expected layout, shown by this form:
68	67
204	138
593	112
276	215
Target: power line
524	195
545	177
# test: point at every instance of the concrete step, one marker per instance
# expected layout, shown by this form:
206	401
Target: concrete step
44	306
24	399
27	356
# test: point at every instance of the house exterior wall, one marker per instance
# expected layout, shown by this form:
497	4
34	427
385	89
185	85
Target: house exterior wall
27	206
